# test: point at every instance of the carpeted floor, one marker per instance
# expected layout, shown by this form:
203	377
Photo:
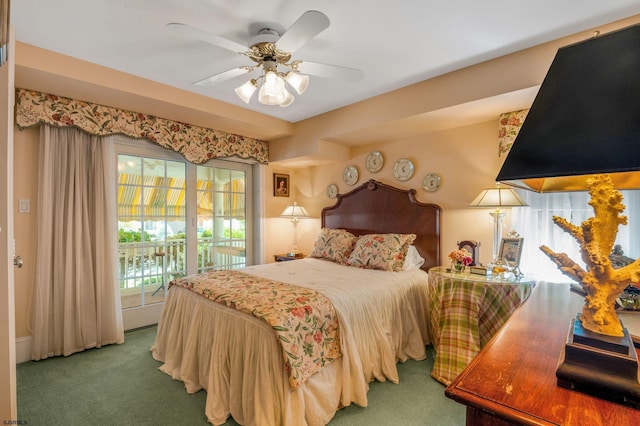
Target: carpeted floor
121	385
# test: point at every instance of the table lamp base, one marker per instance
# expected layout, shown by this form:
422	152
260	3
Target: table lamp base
600	365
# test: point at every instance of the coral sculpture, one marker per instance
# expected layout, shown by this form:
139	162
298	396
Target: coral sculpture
596	236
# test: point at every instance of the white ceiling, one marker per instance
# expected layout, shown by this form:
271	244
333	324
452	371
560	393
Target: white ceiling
395	43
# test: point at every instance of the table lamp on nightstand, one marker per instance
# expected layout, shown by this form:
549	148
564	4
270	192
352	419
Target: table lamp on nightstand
294	213
497	198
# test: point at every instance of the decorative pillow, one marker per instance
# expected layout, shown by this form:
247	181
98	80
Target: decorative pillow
381	251
334	245
413	259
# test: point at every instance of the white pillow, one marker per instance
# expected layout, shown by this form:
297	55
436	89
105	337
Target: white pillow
413	259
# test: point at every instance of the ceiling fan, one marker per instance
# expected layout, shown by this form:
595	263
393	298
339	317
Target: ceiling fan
272	52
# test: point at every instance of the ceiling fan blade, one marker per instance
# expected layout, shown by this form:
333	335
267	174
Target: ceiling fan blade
198	34
309	25
330	71
217	78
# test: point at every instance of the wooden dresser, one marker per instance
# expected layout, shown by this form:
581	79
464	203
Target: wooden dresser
512	380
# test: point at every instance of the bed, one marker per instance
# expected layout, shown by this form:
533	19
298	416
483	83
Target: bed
381	318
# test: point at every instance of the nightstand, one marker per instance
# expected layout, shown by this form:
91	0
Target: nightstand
287	256
466	310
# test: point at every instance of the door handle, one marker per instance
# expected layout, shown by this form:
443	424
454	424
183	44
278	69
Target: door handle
17	261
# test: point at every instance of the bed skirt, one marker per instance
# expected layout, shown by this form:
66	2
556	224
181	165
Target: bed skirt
238	361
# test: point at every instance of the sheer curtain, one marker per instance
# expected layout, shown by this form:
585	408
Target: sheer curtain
535	224
76	300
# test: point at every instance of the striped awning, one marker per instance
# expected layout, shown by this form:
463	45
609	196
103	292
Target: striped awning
161	197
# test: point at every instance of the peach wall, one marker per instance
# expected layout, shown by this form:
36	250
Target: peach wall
25	188
278	232
466	159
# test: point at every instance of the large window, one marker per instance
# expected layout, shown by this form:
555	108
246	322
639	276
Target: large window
177	218
535	224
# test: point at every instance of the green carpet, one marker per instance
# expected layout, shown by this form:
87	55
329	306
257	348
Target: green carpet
121	385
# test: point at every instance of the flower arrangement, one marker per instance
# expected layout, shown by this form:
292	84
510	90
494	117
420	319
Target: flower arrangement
461	256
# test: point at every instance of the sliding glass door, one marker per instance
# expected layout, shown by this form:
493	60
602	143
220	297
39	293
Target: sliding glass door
176	218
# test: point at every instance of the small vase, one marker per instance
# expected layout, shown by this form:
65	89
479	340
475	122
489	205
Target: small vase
458	267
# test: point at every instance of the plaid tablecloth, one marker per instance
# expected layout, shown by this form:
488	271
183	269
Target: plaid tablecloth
465	311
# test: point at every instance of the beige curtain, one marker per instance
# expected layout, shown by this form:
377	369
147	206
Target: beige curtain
76	296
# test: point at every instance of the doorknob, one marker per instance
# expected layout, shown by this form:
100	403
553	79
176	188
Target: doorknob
17	261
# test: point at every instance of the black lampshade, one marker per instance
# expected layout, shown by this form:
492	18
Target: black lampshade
585	119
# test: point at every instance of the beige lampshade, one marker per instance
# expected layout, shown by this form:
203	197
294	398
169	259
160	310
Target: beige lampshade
294	212
497	198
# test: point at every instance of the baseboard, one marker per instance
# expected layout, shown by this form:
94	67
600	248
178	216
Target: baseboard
23	349
133	318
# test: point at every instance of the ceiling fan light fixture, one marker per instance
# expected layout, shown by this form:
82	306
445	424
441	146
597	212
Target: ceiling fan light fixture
246	91
270	50
298	81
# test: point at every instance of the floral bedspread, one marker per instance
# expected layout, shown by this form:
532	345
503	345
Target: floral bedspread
304	321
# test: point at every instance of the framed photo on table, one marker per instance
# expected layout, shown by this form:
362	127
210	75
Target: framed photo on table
472	247
280	185
511	250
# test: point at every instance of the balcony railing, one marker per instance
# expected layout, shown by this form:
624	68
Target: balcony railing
146	268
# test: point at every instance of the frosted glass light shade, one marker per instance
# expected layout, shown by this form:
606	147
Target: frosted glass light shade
273	83
288	99
268	99
247	90
298	81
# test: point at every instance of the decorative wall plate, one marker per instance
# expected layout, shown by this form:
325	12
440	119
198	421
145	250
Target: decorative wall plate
350	175
431	182
374	161
332	190
403	169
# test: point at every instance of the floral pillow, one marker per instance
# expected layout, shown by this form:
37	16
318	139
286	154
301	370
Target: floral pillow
381	251
334	244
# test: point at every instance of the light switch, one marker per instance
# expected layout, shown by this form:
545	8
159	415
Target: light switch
24	206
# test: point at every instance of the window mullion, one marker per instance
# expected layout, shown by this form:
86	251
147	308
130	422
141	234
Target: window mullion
192	226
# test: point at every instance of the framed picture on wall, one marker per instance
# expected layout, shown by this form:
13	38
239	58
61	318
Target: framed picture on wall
280	185
511	250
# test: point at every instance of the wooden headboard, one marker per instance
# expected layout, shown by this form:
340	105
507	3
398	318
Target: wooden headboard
377	208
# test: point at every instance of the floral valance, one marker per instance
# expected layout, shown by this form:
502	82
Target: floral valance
196	144
508	128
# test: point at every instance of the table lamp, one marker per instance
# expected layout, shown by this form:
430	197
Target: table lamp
294	213
582	133
497	198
